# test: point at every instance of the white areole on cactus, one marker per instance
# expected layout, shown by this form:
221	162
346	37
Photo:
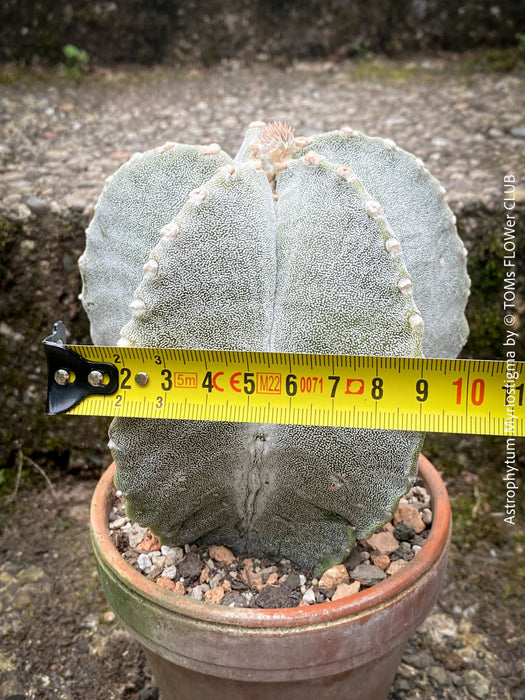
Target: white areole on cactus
337	243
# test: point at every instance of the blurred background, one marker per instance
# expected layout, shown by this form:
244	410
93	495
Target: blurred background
83	85
168	32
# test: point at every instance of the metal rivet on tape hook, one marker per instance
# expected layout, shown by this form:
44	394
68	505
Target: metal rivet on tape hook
62	377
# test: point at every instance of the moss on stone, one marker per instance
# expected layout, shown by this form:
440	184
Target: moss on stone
494	60
396	72
473	467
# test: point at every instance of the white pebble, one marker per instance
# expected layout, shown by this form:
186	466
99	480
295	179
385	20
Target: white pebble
215	580
309	596
118	523
136	535
144	562
419	491
426	516
170	572
197	593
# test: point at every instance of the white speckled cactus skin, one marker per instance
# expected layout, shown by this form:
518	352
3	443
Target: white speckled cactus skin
142	196
339	243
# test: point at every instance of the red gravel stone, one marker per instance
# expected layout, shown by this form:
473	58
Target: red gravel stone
383	543
409	514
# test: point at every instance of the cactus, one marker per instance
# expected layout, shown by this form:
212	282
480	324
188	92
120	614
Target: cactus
338	243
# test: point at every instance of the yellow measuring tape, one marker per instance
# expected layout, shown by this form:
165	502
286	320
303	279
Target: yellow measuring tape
483	397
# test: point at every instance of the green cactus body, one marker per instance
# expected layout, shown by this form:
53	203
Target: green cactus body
286	249
142	196
412	200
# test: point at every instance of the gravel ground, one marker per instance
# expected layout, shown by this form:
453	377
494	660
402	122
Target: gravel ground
59	139
60	641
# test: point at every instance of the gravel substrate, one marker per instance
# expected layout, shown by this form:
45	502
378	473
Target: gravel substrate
215	574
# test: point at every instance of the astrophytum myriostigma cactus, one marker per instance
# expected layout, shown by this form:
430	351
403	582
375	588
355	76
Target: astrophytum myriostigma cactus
336	243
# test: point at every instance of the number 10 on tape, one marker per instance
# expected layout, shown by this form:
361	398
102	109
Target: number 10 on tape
455	396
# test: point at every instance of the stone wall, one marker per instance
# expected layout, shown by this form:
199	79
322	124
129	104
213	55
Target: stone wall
38	275
207	31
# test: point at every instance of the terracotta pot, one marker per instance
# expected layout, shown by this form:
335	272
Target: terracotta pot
343	650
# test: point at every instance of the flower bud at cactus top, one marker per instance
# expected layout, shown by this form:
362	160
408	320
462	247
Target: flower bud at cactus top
337	243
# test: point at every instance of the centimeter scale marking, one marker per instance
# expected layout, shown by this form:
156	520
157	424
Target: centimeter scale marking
483	397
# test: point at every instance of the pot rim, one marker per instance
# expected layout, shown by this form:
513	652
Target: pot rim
358	604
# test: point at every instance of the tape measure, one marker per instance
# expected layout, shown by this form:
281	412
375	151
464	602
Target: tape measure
482	397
